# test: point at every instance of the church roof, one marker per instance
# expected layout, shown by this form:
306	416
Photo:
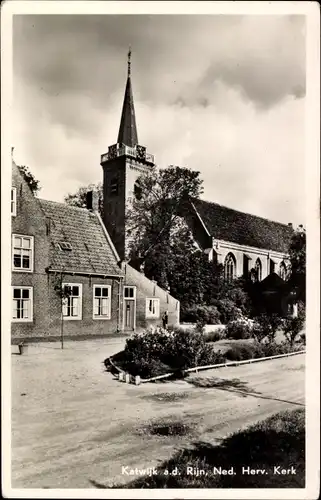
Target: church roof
128	131
244	229
78	241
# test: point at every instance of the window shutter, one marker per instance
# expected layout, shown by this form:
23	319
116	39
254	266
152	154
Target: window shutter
64	307
104	311
75	306
96	307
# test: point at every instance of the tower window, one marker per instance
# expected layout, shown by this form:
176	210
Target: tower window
114	186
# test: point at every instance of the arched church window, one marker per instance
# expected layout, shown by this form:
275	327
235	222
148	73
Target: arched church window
258	270
283	271
229	267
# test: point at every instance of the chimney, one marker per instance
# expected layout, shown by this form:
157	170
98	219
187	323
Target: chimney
92	201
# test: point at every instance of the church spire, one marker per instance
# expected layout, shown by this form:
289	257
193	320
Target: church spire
127	131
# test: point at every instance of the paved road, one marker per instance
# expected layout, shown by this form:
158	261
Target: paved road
72	423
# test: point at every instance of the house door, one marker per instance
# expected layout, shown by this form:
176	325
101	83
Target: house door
129	322
129	308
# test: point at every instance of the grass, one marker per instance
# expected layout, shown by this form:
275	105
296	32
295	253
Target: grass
166	397
278	441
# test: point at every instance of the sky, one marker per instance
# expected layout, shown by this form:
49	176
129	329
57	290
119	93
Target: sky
220	94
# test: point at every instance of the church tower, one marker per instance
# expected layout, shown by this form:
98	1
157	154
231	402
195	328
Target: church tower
124	162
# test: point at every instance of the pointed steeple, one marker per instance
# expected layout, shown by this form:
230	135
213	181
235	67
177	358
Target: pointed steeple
127	131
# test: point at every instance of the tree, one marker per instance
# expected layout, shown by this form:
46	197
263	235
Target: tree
79	198
297	255
63	293
156	231
30	179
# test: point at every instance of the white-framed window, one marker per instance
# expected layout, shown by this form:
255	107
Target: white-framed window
230	267
22	253
13	201
72	301
22	303
101	301
129	292
152	308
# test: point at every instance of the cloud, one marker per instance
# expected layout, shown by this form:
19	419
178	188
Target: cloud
221	94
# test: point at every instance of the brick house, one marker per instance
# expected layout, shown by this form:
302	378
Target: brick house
57	247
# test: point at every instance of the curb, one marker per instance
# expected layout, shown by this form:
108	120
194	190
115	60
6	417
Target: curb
137	380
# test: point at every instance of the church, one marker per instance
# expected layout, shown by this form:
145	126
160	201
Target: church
246	245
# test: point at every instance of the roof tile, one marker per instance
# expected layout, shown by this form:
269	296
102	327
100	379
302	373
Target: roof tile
91	251
244	229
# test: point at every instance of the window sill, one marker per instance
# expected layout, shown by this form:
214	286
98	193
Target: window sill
104	318
22	321
76	318
15	270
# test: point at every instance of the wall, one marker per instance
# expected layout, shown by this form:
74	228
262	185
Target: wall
114	205
126	170
148	289
87	326
30	221
223	248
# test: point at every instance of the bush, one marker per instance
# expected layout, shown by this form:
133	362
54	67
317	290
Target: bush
158	352
267	325
190	349
292	327
258	333
228	311
202	314
257	350
215	335
238	329
240	352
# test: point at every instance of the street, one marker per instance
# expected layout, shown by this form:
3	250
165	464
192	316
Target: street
74	425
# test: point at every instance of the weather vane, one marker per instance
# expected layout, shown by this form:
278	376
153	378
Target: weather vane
129	56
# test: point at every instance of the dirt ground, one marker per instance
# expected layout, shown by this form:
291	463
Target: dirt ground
73	424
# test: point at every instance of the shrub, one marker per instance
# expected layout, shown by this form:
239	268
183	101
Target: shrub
238	329
292	327
190	349
258	333
240	352
215	335
228	311
267	325
201	314
257	350
157	352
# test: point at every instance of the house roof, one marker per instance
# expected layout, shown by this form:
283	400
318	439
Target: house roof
244	229
91	252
